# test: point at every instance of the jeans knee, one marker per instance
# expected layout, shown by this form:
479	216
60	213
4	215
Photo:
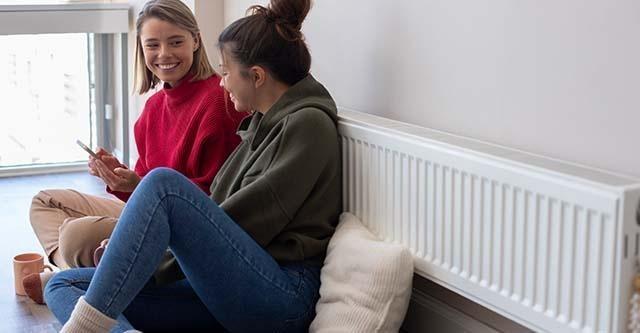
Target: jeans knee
162	173
160	176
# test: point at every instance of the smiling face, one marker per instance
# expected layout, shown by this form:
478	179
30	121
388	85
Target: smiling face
168	50
237	81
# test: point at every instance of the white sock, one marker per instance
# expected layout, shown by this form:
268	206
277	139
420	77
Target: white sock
86	319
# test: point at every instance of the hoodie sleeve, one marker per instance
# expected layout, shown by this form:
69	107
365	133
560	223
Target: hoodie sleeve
264	207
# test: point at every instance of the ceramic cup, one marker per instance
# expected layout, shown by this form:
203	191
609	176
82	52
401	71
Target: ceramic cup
25	264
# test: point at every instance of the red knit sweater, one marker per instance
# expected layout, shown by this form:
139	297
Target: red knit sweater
188	128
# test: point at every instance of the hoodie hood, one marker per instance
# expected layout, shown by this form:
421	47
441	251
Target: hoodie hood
307	93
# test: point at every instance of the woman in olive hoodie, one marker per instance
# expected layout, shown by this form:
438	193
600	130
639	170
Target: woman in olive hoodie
251	253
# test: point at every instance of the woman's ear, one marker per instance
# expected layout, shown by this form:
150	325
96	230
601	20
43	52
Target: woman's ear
196	42
258	75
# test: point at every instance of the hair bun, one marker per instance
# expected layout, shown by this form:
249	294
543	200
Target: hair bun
270	36
287	15
290	12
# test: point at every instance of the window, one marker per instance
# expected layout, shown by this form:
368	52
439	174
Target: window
46	95
62	77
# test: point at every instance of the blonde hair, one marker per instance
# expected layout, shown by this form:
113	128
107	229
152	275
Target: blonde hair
177	13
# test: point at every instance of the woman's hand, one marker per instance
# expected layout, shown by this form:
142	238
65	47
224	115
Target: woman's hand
106	157
119	178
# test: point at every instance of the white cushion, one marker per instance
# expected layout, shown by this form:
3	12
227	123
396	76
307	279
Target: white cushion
366	283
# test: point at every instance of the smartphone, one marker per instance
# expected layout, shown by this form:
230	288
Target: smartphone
87	149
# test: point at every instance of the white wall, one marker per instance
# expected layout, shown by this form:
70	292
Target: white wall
557	78
210	17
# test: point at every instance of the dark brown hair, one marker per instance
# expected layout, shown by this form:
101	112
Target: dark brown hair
178	14
271	37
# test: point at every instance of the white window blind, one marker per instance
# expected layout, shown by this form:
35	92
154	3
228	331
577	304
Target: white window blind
64	18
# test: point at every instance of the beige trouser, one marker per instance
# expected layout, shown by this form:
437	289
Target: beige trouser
70	224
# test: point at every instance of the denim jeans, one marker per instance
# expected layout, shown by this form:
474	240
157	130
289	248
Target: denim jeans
230	279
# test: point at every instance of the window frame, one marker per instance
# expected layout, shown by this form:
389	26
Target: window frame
109	21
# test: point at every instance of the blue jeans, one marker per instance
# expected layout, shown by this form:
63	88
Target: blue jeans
230	280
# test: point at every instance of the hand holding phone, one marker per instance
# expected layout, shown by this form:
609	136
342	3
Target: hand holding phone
116	175
87	149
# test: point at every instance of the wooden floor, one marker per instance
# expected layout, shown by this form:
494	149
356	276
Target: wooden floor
18	313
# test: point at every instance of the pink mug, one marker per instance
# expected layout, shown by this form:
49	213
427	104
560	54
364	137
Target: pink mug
25	264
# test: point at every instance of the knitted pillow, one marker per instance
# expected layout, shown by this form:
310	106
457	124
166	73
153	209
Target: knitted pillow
366	283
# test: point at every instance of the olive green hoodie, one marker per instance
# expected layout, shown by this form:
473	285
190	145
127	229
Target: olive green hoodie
282	184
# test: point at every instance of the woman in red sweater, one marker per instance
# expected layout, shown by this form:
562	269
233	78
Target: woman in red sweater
187	126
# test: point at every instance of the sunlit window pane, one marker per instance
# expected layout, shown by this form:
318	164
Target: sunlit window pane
45	89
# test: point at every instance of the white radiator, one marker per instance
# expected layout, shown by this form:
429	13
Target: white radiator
548	244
